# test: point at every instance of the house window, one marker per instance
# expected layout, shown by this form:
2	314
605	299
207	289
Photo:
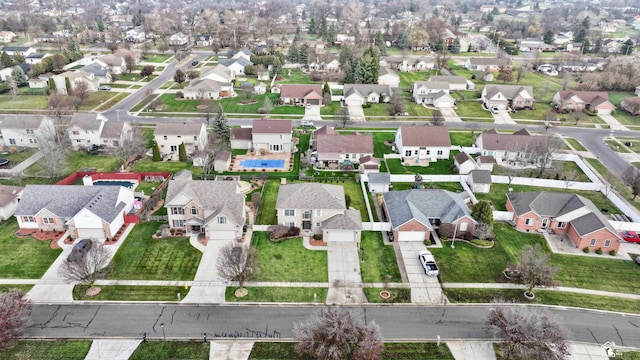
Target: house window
195	138
30	131
12	141
317	224
593	242
415	152
175	210
33	141
179	136
165	137
306	215
607	243
116	143
289	212
528	221
28	219
178	223
222	220
562	224
194	210
318	212
346	156
174	148
428	152
75	132
48	220
407	153
439	152
290	224
78	140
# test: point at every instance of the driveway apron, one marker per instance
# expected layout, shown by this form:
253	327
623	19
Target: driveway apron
207	287
424	289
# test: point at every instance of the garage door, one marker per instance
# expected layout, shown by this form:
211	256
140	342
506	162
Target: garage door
222	235
339	236
604	111
91	233
411	236
353	102
444	104
313	101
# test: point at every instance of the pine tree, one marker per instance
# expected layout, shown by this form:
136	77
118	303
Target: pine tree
219	125
67	84
156	152
182	153
303	54
312	26
455	47
292	56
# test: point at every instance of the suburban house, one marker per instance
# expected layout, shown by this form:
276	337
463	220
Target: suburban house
479	181
333	150
218	73
178	39
507	147
7	36
408	64
388	77
236	65
485	64
507	96
114	63
301	94
85	129
320	209
18	50
434	93
360	94
207	89
455	82
169	136
204	40
6	73
115	133
85	211
75	77
423	142
100	72
25	131
135	35
379	182
9	199
593	101
632	105
267	135
563	213
35	58
211	208
414	214
242	53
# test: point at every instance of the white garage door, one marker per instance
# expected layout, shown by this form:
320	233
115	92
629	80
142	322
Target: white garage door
444	104
91	233
340	236
222	235
353	102
411	236
604	111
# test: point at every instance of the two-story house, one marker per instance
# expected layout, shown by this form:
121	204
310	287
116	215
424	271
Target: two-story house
85	128
75	77
178	39
272	135
114	63
212	208
169	136
319	209
423	142
519	146
434	93
26	131
507	96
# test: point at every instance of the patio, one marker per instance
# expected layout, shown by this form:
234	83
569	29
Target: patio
287	157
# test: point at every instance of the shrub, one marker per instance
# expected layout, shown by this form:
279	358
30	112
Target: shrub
293	231
262	111
179	95
585	250
277	231
599	251
612	253
317	237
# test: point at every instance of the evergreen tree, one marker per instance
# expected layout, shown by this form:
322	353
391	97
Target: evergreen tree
465	8
403	41
292	56
489	18
323	28
586	46
67	84
627	47
311	29
331	34
5	60
586	23
303	54
598	46
182	152
482	212
219	124
547	38
455	47
156	152
368	68
346	57
580	36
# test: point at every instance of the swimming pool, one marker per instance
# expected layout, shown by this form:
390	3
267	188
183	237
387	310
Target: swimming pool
263	164
127	184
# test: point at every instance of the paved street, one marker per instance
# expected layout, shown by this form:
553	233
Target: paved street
407	322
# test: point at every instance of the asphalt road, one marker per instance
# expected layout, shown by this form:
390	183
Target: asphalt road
276	321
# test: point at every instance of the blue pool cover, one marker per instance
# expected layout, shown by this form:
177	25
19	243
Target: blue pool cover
257	163
127	184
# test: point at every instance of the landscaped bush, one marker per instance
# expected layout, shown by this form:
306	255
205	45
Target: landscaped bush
293	231
179	95
482	242
277	231
585	250
599	251
612	253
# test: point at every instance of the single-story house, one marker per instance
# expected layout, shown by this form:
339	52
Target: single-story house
379	182
320	209
485	63
409	63
423	142
207	89
9	199
336	150
507	147
563	213
507	96
301	94
414	214
388	77
479	181
360	94
85	211
455	82
594	101
632	105
214	209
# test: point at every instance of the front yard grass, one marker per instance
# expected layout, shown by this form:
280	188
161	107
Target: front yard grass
156	58
131	293
576	144
50	350
392	351
472	110
7	287
141	257
398	295
278	294
192	350
378	259
267	212
24	258
537	114
288	260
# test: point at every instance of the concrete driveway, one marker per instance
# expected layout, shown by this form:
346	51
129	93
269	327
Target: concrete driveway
345	280
450	115
424	289
312	113
502	117
207	287
356	113
613	122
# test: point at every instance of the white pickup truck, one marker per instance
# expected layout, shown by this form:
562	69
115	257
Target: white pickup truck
428	263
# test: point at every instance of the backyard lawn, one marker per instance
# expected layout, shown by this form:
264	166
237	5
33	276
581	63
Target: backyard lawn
462	138
449	186
192	350
408	78
141	257
440	167
23	102
558	171
170	166
379	148
24	258
50	350
77	160
288	260
378	259
267	213
297	77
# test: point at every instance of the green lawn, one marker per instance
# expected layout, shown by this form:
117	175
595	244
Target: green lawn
278	294
6	288
135	77
544	297
472	110
23	102
576	144
617	184
440	167
408	78
376	110
558	171
333	108
141	257
615	146
378	259
97	98
132	293
24	258
19	156
537	114
170	166
77	160
635	143
50	350
353	190
398	295
498	196
449	186
379	148
392	351
418	110
297	77
156	58
191	350
288	260
267	213
462	138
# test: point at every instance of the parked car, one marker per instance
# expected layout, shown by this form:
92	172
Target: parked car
630	236
305	123
308	106
104	87
194	63
495	110
80	249
390	236
428	263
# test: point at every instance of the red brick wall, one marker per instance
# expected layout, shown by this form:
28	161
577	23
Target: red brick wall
412	225
600	236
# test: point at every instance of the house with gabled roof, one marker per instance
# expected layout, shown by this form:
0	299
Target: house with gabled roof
434	93
169	136
336	150
214	209
319	209
75	77
113	62
178	39
85	128
594	101
414	214
267	135
100	72
301	94
85	211
408	63
563	213
485	64
9	199
454	82
360	94
236	65
7	36
507	97
218	73
25	131
423	142
115	133
519	145
632	105
388	77
243	53
18	50
207	89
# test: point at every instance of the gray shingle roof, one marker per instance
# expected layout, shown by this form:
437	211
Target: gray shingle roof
112	130
271	126
96	69
379	178
241	133
220	197
330	146
205	85
67	200
350	220
311	196
449	79
21	122
423	205
85	121
508	91
366	89
424	135
462	157
178	128
480	176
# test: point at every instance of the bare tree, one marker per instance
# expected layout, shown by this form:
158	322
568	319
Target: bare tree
12	83
396	104
436	118
483	231
577	116
534	268
80	93
130	63
543	151
343	118
131	145
14	313
441	58
569	178
528	333
53	143
256	199
333	334
87	266
57	106
237	262
631	177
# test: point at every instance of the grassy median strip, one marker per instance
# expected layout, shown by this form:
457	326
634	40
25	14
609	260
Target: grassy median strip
7	287
576	144
397	295
192	350
392	351
546	297
50	350
132	293
278	294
